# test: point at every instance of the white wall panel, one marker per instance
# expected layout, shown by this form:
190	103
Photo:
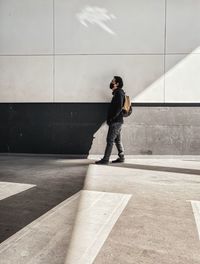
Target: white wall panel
26	79
86	78
26	27
183	26
110	28
182	80
132	27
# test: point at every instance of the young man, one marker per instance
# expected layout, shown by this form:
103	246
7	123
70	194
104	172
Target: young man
115	121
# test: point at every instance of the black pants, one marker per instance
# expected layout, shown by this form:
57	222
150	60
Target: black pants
114	136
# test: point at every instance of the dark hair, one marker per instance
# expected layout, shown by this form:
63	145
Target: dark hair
119	80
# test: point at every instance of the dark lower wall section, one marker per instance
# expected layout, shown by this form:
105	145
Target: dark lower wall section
79	128
64	128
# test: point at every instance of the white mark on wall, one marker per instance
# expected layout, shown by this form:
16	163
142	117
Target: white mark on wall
96	15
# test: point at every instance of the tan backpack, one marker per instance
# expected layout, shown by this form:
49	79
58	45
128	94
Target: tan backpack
127	107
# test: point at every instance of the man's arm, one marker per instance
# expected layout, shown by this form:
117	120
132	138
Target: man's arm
117	105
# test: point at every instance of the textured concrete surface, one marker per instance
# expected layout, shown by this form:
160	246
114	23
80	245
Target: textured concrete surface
144	211
157	131
54	179
80	129
8	189
158	225
96	215
45	240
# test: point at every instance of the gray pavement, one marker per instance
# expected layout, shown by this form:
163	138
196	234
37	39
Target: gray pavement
144	211
52	180
159	224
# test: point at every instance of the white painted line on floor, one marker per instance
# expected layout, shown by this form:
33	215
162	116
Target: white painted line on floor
196	211
45	240
8	189
98	213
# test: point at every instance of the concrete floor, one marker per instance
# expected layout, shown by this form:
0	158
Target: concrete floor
48	181
144	211
158	225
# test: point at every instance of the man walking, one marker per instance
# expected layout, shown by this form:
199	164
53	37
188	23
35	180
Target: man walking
115	121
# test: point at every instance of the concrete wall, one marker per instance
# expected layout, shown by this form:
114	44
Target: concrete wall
54	51
67	51
79	128
170	130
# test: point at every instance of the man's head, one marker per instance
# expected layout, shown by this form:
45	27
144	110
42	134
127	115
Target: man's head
116	82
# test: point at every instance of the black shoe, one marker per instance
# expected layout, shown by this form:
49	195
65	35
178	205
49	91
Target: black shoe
118	160
102	161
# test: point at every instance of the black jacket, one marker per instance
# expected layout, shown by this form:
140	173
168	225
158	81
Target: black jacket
115	108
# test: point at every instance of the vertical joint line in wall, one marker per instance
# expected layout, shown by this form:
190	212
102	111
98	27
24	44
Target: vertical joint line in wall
165	39
53	50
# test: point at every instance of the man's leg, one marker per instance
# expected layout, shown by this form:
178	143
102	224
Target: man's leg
111	136
119	145
120	148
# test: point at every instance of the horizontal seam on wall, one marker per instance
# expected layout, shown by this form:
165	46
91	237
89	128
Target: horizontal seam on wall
103	54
